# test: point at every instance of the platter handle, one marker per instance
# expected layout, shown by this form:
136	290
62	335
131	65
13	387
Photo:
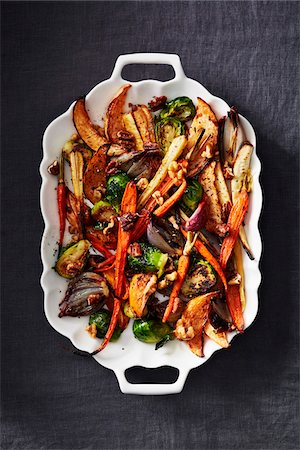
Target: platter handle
148	58
151	388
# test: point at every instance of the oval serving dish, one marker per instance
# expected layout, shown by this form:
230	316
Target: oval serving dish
128	351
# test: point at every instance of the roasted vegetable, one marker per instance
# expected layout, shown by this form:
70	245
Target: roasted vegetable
73	260
102	320
192	197
199	217
131	127
183	266
173	153
191	324
116	185
95	177
86	130
152	260
199	279
181	107
166	130
214	223
61	201
144	123
85	295
150	331
103	211
142	285
219	337
114	121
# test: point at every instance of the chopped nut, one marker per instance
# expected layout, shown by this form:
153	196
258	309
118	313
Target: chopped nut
92	330
172	220
158	198
74	137
93	298
135	249
173	167
142	184
111	224
235	280
157	103
53	169
171	276
72	268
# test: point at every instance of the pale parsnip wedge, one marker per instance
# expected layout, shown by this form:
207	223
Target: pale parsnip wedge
114	116
150	122
131	127
173	153
204	120
208	181
223	193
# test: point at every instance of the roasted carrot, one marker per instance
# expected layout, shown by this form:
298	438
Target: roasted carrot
233	300
61	201
128	205
144	217
235	220
112	326
209	258
161	210
105	265
98	246
183	266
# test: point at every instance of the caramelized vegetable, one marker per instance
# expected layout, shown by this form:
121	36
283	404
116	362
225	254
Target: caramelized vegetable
94	180
142	285
86	130
73	260
114	121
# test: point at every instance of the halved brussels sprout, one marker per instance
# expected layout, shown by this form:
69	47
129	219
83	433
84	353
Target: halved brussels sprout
102	320
166	130
152	260
150	331
181	107
115	189
102	211
191	197
73	260
199	279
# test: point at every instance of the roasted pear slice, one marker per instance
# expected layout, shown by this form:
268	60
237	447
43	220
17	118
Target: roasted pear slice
191	325
86	130
114	121
142	285
94	181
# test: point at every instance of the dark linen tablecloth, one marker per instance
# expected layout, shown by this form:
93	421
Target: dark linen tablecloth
246	397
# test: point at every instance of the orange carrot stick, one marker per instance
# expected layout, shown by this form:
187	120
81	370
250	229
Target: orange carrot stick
97	245
209	258
183	266
161	210
128	205
233	300
112	326
235	220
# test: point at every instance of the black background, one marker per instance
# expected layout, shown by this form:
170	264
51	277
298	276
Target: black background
244	52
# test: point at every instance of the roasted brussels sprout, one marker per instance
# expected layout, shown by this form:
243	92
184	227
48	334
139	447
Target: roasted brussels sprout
102	320
191	197
152	260
102	211
181	107
115	189
166	130
199	280
72	261
150	331
86	294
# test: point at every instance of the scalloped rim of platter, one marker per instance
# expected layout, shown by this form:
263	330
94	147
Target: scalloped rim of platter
128	351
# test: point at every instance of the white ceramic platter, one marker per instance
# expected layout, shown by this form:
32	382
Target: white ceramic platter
128	351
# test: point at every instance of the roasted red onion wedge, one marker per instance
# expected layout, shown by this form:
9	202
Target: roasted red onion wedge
85	295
